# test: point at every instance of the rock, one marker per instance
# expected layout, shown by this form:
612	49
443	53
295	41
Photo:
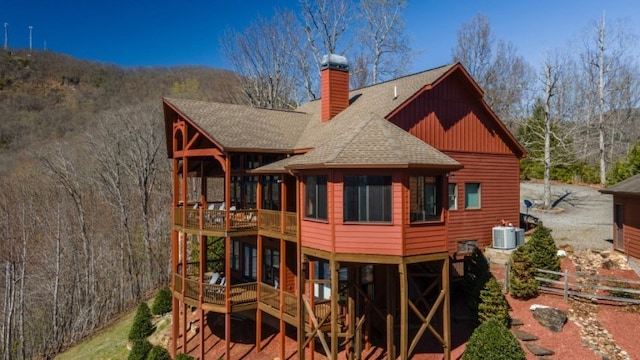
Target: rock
553	319
561	253
605	254
524	336
533	307
516	322
538	350
609	264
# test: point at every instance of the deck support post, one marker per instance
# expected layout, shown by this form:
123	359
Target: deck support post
446	308
301	337
404	311
391	299
281	285
351	312
333	265
203	269
258	282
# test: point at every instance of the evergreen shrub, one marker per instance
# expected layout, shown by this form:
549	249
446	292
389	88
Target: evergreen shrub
522	283
142	326
543	252
140	350
162	302
158	353
493	303
493	341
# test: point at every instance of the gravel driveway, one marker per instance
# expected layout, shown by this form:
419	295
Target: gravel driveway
582	217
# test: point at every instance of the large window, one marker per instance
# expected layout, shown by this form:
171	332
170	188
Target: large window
249	270
472	196
235	255
271	262
425	198
316	197
367	198
271	192
453	196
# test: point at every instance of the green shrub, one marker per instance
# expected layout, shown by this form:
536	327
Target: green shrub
162	302
182	356
140	350
493	304
493	341
158	353
476	275
543	252
522	283
142	326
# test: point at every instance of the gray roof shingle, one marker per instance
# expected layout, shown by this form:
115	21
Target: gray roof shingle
359	135
630	186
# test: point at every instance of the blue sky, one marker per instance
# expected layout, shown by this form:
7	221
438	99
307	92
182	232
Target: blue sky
170	32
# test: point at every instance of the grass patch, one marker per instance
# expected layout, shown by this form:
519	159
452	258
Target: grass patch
108	343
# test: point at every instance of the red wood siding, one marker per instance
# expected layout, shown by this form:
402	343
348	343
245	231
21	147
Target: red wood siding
449	118
498	176
631	225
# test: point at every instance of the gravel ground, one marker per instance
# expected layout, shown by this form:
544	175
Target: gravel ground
582	217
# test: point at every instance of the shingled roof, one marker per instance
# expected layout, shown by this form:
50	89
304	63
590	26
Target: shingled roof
358	136
630	186
371	142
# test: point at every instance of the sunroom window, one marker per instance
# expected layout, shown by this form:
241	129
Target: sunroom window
367	198
425	197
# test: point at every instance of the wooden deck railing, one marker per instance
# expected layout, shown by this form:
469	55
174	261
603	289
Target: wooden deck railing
193	268
214	220
271	220
215	294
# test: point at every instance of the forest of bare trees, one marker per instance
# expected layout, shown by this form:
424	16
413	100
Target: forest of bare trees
83	193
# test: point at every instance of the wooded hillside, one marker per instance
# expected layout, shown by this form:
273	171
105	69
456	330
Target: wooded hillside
83	192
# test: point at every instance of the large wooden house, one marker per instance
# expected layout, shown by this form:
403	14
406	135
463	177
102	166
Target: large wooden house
341	219
626	222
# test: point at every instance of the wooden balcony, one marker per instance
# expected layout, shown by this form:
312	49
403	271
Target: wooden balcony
241	296
277	224
213	222
270	303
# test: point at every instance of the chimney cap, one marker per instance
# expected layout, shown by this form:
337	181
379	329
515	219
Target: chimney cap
333	61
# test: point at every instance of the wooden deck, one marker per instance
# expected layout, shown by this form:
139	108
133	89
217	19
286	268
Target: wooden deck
242	296
271	223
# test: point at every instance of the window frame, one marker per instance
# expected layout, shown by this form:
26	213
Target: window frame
452	196
420	209
271	266
478	193
362	188
314	209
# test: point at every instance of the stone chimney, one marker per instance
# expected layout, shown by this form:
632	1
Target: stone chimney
334	86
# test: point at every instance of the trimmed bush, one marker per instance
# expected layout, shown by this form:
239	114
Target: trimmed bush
182	356
493	341
162	302
158	353
493	304
543	252
140	350
142	326
476	275
522	283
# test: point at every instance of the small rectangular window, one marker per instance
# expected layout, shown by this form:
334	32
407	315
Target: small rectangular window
235	255
453	196
316	197
472	196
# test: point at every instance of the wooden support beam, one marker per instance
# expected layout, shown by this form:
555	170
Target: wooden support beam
227	293
391	353
282	284
202	269
315	326
258	295
446	308
300	292
404	311
351	312
333	268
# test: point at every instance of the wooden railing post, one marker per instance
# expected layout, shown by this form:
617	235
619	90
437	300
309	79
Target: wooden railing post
566	285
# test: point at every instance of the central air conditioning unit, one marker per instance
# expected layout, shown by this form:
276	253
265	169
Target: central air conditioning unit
507	237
